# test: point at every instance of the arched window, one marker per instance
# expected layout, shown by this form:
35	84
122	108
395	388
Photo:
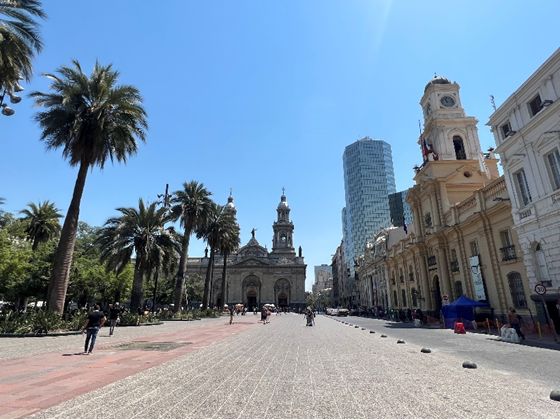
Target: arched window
395	298
414	294
516	289
460	153
458	289
542	268
403	292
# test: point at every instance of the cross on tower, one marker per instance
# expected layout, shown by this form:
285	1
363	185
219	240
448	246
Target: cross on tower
283	190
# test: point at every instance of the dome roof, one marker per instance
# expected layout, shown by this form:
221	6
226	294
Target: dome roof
437	80
283	203
230	205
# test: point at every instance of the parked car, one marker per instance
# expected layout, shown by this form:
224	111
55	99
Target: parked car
334	311
342	312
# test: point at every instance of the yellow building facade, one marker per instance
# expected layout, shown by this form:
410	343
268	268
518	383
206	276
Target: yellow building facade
462	240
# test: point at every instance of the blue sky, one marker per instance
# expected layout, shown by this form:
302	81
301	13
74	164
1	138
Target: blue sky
260	95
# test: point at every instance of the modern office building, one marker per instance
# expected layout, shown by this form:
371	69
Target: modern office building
400	210
369	179
323	278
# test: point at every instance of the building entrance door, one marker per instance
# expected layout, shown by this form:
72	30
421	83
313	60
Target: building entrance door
251	299
282	300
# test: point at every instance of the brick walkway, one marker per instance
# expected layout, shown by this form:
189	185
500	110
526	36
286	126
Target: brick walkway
281	370
33	383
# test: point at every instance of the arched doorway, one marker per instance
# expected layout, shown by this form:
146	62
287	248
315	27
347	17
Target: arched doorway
251	299
282	290
437	296
251	291
219	302
282	300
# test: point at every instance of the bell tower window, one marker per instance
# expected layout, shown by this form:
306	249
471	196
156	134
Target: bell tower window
459	148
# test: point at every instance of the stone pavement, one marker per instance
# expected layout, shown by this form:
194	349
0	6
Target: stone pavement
281	370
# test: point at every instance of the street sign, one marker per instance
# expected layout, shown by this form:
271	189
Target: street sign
445	297
540	289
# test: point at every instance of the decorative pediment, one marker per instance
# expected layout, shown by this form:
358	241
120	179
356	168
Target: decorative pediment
546	141
250	262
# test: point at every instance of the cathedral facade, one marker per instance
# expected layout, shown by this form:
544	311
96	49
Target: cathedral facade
256	276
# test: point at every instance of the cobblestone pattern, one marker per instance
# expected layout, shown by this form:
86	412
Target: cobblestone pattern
286	370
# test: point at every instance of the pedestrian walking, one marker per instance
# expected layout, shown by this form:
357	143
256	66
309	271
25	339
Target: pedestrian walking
513	320
310	317
114	317
96	319
231	313
263	315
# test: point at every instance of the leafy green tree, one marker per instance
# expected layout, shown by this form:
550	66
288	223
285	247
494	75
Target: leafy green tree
191	205
141	232
310	299
14	266
43	224
219	225
92	119
19	42
194	287
2	213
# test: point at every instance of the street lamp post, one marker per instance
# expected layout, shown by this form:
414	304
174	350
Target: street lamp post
6	110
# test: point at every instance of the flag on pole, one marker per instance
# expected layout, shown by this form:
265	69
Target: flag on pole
483	165
425	147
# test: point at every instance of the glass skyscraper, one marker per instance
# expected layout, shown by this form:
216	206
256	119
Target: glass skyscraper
369	179
400	210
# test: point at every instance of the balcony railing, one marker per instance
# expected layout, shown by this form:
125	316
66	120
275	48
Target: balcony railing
432	261
454	266
508	253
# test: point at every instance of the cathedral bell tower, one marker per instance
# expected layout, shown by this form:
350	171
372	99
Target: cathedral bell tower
282	241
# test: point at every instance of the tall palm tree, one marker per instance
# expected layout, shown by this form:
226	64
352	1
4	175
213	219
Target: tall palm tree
191	205
229	243
140	232
92	119
43	222
220	224
19	42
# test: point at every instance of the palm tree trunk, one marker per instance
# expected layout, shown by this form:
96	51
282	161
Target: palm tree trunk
58	283
208	280
137	294
180	285
224	270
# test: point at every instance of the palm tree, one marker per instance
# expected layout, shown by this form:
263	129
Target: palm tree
19	42
140	232
229	243
43	222
219	226
92	119
191	206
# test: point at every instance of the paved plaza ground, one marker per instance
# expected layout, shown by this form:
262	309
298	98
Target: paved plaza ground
279	370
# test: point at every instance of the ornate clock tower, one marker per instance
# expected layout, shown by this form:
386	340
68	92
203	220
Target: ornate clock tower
449	133
282	242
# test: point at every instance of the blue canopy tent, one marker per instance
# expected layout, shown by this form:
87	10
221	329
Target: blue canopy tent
461	310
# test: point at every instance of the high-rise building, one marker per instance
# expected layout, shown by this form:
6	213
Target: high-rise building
400	210
369	179
323	278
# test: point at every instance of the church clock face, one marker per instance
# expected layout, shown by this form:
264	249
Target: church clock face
283	238
447	101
